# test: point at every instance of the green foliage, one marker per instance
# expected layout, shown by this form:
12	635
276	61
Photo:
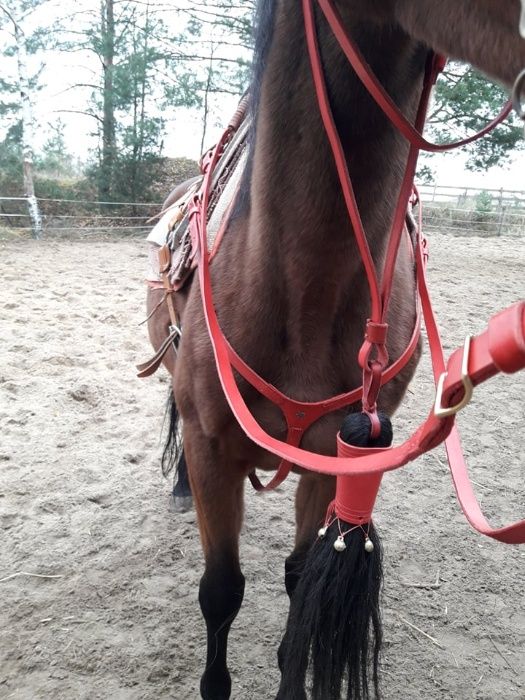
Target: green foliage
483	204
64	188
232	22
146	70
184	90
141	77
55	159
465	101
425	175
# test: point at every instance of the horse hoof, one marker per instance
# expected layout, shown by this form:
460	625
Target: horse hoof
182	504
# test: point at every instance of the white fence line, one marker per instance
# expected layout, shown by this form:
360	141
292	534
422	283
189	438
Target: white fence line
499	198
446	208
83	201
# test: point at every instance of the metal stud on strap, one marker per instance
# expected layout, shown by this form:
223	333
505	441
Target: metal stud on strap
468	387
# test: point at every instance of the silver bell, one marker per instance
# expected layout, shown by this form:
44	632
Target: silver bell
322	531
339	544
369	545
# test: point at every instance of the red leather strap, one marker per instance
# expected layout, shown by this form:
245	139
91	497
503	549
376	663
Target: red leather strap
316	409
340	160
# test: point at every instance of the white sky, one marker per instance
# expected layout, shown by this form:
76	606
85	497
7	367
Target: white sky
450	170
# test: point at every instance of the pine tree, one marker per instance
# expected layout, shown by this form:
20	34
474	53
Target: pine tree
464	102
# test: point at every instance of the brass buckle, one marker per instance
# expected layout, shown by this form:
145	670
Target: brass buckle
468	387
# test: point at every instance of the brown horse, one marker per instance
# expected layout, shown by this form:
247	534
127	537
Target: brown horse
292	299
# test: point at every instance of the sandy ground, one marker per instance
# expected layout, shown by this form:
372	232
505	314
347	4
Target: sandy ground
83	503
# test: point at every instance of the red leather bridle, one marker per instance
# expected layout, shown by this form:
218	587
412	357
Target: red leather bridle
501	348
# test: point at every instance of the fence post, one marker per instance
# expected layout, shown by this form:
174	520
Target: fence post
34	213
501	217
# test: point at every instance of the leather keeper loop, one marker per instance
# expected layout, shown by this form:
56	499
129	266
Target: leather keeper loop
376	332
355	496
374	345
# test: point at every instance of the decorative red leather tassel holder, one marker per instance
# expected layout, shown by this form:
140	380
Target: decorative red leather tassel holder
355	496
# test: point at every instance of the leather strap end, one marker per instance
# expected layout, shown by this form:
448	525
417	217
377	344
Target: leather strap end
507	338
146	369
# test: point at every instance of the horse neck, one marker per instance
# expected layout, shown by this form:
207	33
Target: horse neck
298	220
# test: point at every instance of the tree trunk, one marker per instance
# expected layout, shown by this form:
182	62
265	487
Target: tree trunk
108	116
27	133
143	88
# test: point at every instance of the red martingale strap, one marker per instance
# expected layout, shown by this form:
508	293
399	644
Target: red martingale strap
500	348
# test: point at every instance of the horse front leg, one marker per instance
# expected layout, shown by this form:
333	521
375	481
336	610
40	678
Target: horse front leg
218	496
312	497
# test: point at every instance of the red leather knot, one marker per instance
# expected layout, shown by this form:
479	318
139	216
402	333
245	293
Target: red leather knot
373	359
375	423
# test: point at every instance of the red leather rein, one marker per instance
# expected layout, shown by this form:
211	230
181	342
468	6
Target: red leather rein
501	348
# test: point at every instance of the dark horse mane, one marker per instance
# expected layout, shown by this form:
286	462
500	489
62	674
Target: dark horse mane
264	20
